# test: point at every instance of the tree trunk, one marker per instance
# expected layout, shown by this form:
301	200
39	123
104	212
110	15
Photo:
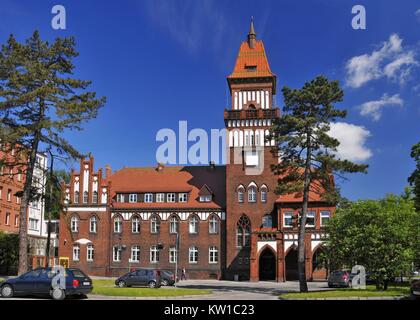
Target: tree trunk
23	215
301	237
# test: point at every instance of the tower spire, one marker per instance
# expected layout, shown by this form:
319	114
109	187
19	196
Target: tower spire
252	35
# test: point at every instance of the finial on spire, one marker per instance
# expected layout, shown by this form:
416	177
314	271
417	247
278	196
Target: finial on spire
252	35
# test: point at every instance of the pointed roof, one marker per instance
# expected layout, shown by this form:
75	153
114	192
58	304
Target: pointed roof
252	60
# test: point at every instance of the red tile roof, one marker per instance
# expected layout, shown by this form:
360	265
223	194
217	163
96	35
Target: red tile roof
171	179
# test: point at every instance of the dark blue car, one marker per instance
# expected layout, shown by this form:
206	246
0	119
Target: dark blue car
39	282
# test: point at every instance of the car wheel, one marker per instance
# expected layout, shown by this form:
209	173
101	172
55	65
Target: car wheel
7	291
58	294
164	282
152	284
122	284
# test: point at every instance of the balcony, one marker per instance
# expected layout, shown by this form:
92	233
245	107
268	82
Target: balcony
252	114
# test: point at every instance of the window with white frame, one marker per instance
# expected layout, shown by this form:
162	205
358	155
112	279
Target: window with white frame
154	254
85	197
116	254
117	224
16	220
9	195
243	232
154	224
267	221
33	224
74	224
132	197
182	197
252	194
76	253
193	224
135	224
160	197
325	217
120	197
213	254
213	225
90	252
173	255
93	224
241	194
135	254
205	198
193	254
148	197
288	219
263	194
95	197
76	197
173	224
310	219
170	197
7	220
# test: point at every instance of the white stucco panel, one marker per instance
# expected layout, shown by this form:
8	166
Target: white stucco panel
272	244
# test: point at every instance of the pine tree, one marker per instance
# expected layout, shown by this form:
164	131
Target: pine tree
414	179
39	100
308	160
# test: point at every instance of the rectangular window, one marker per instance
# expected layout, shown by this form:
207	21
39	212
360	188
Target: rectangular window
288	219
116	256
325	217
170	197
76	253
206	198
154	254
7	220
193	255
120	197
1	193
310	219
172	255
135	254
160	197
132	197
16	220
89	252
33	224
9	195
213	255
148	197
182	197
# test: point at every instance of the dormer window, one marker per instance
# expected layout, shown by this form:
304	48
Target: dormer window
206	198
182	197
148	197
132	197
205	194
170	197
250	67
120	197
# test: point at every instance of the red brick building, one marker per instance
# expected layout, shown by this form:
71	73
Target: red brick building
230	222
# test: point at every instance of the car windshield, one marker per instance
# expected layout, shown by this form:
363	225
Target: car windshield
77	273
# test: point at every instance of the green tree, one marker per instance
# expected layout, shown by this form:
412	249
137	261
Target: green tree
9	252
414	179
378	234
307	151
39	100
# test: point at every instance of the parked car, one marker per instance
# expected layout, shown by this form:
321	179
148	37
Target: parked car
415	288
38	282
140	277
167	278
339	278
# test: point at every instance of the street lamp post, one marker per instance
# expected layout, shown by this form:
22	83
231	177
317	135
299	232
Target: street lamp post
176	256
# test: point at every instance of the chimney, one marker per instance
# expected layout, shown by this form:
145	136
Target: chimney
160	167
107	172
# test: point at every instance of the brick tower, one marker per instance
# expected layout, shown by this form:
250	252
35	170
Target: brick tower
250	182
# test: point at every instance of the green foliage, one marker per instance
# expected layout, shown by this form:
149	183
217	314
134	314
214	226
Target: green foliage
376	234
53	200
414	179
9	251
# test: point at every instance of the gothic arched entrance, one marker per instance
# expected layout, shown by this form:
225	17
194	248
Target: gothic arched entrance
267	265
291	261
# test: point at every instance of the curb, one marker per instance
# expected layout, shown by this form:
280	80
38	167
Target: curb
198	296
350	298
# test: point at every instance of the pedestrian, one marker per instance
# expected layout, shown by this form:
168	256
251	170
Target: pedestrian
183	274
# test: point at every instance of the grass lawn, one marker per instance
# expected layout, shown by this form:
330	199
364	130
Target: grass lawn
107	288
370	291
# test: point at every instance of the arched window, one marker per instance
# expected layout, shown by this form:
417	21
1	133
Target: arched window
193	254
243	232
263	194
76	253
213	225
193	224
252	194
95	197
267	221
74	224
173	224
76	197
135	224
117	224
90	252
240	191
85	197
154	224
93	224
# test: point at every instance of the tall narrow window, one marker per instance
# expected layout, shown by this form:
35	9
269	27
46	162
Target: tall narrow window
117	224
263	194
76	253
116	254
85	197
74	224
193	254
154	224
95	197
193	224
93	224
243	232
213	225
135	254
135	225
173	225
76	197
90	252
252	194
154	254
213	254
240	194
173	255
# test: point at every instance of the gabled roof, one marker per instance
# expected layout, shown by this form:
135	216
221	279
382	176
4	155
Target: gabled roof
205	191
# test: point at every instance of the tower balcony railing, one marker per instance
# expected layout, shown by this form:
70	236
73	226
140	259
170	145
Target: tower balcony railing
252	114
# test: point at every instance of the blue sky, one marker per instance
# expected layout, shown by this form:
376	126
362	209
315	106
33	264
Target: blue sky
158	62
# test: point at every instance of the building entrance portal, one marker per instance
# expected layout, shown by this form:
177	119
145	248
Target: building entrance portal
292	265
267	265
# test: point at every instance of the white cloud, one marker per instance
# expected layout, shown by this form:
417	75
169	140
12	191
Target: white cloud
352	140
391	61
374	108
